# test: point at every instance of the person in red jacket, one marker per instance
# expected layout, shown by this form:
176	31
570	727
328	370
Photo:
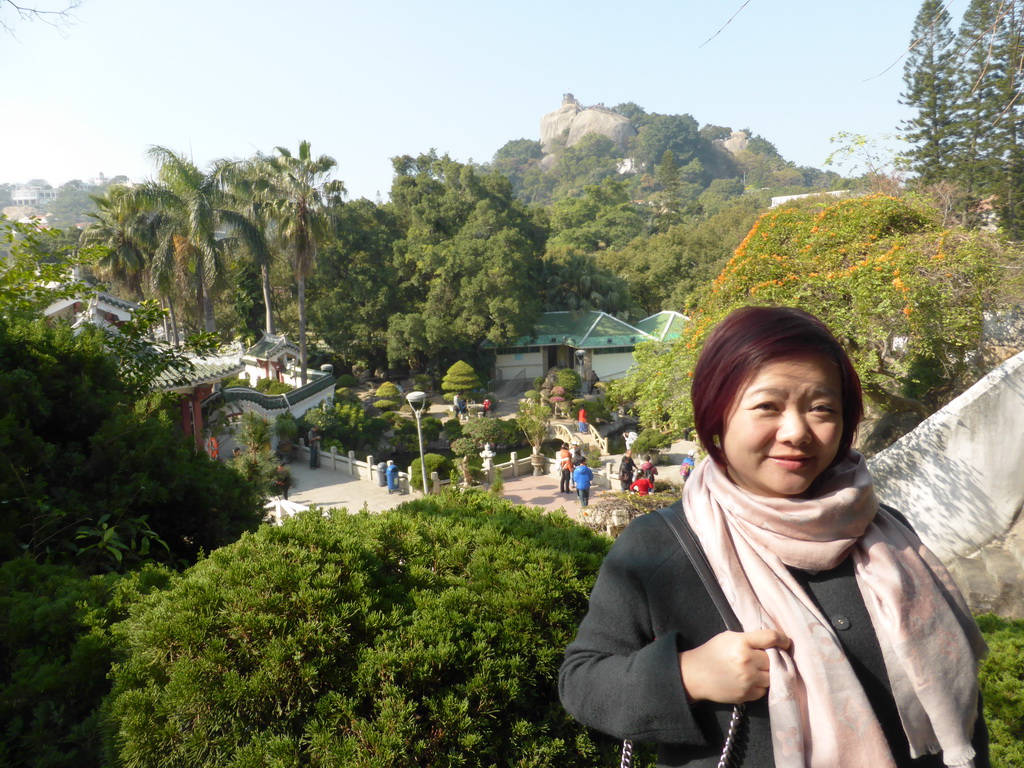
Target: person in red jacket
642	486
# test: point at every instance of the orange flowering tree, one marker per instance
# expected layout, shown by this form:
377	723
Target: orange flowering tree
903	295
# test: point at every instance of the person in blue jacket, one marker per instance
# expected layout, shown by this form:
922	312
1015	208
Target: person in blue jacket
392	475
583	476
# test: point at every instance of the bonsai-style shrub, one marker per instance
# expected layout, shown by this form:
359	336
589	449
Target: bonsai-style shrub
485	431
423	382
568	379
460	378
287	430
650	440
532	418
435	463
347	380
388	398
532	394
430	635
432	428
345	395
452	430
598	410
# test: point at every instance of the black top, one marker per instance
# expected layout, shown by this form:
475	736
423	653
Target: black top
621	673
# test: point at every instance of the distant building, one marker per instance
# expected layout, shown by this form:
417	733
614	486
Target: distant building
584	341
36	196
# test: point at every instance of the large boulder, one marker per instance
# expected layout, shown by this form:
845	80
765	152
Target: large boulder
555	124
604	122
574	121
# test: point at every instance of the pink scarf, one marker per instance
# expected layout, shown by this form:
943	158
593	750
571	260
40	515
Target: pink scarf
820	715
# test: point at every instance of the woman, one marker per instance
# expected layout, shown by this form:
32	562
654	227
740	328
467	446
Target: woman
627	470
857	648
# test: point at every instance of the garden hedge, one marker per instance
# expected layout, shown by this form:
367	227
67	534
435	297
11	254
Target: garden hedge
430	635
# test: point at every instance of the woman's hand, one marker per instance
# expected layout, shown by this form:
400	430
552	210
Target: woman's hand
731	667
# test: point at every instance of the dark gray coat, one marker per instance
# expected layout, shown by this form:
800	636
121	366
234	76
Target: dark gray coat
621	673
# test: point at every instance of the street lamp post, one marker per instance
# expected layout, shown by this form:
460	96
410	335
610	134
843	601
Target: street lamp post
580	354
417	401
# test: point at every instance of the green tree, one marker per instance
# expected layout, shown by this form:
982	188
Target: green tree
929	73
357	284
460	378
189	200
304	200
470	259
92	473
904	296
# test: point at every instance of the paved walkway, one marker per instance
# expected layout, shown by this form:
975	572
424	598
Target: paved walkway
328	488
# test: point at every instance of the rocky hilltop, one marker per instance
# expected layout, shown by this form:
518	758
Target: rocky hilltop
574	121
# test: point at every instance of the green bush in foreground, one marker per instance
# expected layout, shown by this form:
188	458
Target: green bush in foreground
55	653
1002	685
430	635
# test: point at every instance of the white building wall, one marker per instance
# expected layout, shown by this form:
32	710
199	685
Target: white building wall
612	366
520	365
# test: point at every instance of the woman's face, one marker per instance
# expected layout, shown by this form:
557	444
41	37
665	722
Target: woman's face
784	427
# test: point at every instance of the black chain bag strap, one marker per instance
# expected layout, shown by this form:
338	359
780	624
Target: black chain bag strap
684	535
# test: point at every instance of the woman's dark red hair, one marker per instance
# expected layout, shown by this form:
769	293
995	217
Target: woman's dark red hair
746	341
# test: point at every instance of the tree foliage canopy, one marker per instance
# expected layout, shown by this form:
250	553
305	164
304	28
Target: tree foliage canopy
904	296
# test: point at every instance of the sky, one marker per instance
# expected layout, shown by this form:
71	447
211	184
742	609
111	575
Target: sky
366	81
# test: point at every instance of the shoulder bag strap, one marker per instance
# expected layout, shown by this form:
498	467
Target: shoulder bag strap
688	541
679	526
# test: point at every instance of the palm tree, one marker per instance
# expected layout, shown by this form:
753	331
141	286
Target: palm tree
125	236
188	198
304	198
249	191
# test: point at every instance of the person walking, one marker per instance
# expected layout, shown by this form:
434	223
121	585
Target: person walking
565	469
314	447
581	420
583	476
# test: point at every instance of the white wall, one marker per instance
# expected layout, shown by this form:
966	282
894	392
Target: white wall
959	477
612	366
510	365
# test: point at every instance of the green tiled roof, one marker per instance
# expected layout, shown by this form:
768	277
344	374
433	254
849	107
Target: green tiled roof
664	325
205	371
584	330
269	346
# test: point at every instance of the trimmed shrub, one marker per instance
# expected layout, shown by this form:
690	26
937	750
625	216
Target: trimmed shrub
388	398
347	380
570	381
435	463
491	431
532	394
650	439
460	378
431	427
344	395
430	635
452	430
273	387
